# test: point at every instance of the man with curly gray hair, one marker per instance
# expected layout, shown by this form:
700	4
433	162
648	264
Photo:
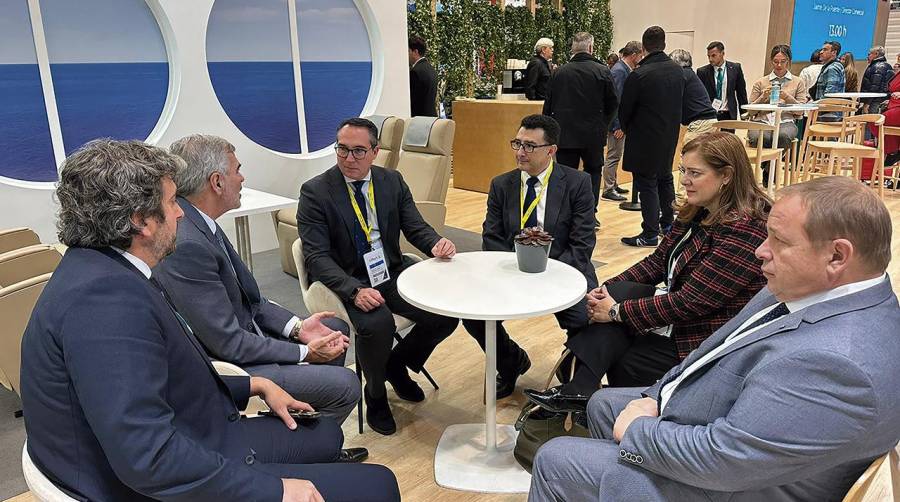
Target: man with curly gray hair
120	401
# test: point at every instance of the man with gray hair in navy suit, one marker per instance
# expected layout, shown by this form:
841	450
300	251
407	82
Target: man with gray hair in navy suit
790	400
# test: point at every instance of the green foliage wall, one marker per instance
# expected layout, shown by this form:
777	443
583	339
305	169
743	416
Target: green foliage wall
469	41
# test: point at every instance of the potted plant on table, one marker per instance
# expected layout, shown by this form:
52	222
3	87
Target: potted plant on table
532	249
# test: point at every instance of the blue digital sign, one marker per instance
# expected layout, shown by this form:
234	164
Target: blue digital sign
850	22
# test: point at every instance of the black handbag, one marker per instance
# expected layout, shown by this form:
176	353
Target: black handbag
536	425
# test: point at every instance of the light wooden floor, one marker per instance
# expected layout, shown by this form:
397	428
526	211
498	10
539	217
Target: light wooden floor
458	363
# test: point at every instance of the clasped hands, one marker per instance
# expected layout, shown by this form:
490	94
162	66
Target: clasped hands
599	301
368	299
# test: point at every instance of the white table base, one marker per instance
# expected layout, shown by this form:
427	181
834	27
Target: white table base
242	232
463	462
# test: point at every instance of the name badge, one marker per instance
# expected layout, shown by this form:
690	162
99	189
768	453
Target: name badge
376	266
717	104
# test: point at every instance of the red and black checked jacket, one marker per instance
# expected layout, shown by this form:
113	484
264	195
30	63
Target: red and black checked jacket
714	278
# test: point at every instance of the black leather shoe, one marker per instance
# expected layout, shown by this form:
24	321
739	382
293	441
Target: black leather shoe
507	384
352	455
620	189
405	387
554	400
378	415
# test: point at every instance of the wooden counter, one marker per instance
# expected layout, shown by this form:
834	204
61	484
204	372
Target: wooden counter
481	147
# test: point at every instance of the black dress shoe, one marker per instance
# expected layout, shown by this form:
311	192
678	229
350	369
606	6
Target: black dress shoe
507	384
620	189
378	414
352	455
405	387
554	400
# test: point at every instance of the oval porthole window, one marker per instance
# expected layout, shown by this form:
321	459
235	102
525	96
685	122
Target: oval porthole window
106	75
287	72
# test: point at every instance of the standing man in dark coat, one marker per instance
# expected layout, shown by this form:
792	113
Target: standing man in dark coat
537	74
582	98
876	78
422	81
650	115
724	82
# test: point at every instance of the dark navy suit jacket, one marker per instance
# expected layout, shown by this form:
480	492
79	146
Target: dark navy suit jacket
120	401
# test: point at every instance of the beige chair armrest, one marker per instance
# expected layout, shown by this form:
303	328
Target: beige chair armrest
435	214
254	404
319	298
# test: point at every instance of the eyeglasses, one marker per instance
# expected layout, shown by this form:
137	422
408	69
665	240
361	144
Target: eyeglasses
528	147
690	174
344	152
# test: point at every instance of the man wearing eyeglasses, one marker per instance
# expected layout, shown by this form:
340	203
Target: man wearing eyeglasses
539	193
350	218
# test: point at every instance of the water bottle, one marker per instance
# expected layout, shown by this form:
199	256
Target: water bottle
775	94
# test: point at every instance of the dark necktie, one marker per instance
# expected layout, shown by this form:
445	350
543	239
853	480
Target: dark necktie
222	245
530	195
181	320
779	311
720	76
359	237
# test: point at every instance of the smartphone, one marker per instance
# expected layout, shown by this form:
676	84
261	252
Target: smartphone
297	415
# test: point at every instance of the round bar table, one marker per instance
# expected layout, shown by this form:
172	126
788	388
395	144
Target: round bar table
778	110
486	286
855	96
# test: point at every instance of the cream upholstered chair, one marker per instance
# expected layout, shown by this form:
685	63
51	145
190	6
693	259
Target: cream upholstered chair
255	404
318	298
16	303
25	263
15	238
42	489
390	136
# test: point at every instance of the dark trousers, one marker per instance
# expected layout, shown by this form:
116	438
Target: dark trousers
627	359
657	193
307	453
593	160
375	336
572	320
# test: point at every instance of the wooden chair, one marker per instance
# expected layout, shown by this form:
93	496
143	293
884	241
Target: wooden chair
844	156
894	177
758	154
880	482
15	238
816	129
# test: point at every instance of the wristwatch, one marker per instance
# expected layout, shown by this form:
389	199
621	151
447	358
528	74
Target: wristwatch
354	293
295	332
614	312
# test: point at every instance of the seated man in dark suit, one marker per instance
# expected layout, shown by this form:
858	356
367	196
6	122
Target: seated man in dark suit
120	400
349	219
216	293
557	198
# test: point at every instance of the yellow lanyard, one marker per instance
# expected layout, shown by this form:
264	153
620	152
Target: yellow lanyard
366	228
524	214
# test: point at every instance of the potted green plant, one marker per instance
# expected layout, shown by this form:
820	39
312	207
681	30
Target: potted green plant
532	249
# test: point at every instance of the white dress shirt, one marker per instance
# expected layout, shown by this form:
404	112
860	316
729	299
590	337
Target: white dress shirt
538	188
286	331
793	306
137	262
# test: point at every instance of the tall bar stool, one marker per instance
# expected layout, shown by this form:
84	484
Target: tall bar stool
844	156
818	130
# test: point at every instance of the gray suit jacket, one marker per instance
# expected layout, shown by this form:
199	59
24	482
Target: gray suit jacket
220	304
795	411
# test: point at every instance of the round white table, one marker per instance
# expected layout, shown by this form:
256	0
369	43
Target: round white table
855	96
778	110
487	286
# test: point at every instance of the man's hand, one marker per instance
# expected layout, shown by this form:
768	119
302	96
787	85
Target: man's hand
618	134
311	328
326	348
443	249
368	299
300	490
644	407
278	400
599	301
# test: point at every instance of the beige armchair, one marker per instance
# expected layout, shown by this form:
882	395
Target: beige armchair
27	262
318	298
16	303
254	404
390	136
15	238
41	488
